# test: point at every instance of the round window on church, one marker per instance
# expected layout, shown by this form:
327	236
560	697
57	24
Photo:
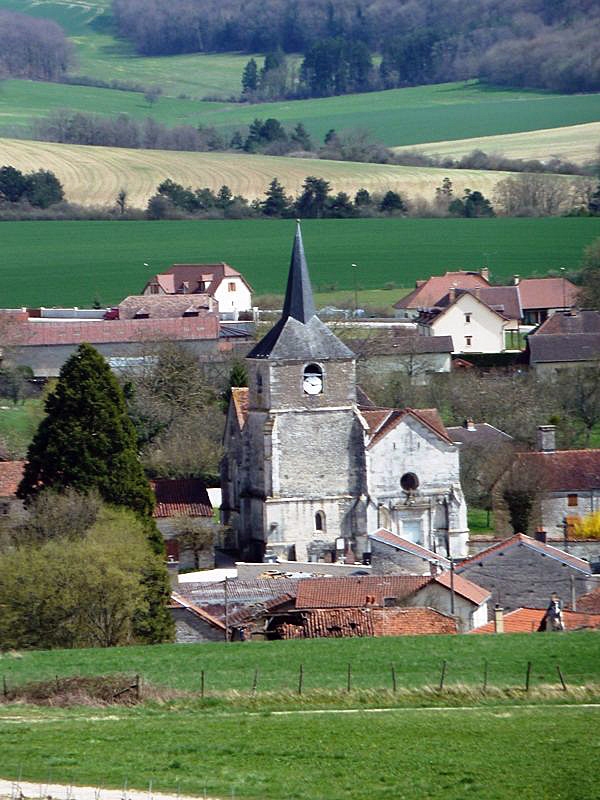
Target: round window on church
409	482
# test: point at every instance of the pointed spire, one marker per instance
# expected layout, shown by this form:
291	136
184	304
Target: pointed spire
299	301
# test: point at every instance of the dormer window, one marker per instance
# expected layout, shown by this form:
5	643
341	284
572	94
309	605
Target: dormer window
312	380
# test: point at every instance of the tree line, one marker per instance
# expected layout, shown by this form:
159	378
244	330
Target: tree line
39	189
32	48
540	44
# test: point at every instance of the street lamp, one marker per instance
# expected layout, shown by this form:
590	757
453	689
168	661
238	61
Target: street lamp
355	274
562	275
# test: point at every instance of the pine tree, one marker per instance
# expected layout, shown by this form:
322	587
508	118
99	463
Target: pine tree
86	442
276	204
250	78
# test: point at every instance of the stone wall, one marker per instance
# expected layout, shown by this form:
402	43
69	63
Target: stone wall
190	629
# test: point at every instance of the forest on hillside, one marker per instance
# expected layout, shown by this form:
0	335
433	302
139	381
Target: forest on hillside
550	44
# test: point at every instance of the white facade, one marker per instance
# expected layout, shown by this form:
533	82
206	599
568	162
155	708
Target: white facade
233	297
469	615
473	326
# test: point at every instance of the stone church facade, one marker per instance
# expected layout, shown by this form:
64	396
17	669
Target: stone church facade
308	471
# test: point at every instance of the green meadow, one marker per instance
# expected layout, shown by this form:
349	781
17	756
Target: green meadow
71	263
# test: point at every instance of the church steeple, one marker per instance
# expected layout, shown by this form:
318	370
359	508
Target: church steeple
299	301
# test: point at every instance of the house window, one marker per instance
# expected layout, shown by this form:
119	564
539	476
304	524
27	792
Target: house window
231	286
571	500
154	288
468	341
468	317
320	521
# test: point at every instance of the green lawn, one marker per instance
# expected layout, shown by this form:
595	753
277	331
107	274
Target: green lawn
522	753
395	117
417	660
479	520
53	263
18	423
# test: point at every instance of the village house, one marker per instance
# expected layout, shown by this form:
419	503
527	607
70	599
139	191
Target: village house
403	352
542	297
568	486
566	340
428	293
532	620
393	555
521	572
181	504
305	465
228	287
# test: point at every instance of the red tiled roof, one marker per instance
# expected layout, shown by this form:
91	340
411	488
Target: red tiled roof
344	622
356	592
430	292
11	473
547	293
465	588
186	278
387	537
565	470
412	622
590	602
181	497
106	331
519	539
427	416
240	398
527	620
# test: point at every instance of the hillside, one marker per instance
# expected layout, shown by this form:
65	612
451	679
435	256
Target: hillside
94	175
577	143
70	263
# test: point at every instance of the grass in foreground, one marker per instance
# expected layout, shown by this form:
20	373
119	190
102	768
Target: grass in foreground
69	263
409	753
18	423
230	667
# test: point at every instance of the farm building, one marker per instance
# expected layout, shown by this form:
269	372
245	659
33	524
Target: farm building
401	351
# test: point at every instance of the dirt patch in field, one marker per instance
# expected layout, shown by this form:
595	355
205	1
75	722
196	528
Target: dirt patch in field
98	690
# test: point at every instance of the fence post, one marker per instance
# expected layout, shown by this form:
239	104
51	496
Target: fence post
560	675
300	679
349	677
201	683
255	681
394	685
485	675
4	686
443	675
528	676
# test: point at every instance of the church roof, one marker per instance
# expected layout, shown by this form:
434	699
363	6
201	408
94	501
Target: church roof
299	334
382	420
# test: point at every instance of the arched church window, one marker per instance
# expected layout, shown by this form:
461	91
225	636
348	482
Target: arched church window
320	521
259	383
409	482
312	379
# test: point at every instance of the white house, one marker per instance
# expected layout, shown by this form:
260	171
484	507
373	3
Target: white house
224	283
476	324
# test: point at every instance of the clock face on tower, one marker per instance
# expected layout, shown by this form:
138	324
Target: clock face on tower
312	382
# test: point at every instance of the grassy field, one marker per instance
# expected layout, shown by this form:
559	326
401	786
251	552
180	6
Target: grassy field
578	143
417	659
454	744
54	263
18	423
94	175
493	754
395	117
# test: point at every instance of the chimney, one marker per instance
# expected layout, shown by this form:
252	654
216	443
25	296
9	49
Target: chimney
540	535
478	292
546	438
470	425
434	568
485	273
498	619
452	294
516	280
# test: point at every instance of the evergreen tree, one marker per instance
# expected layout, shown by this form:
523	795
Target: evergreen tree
43	189
250	78
224	197
301	137
473	204
362	198
276	204
392	202
313	199
87	440
13	184
340	206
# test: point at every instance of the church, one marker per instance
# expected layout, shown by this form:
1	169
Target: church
311	467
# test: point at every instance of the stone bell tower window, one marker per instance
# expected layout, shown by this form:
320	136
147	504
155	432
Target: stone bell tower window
312	379
320	521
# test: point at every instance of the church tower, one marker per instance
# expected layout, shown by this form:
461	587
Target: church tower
300	459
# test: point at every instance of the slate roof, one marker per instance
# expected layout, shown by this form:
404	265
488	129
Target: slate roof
482	434
519	539
544	293
565	470
400	343
393	540
504	299
240	594
428	293
574	321
527	620
160	306
555	347
11	473
300	334
178	601
183	496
